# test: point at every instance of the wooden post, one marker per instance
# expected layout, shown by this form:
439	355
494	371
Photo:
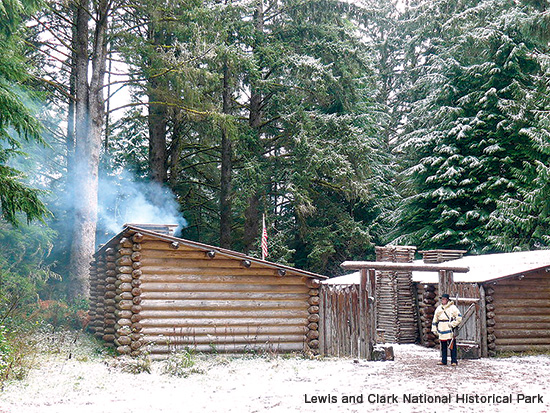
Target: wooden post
446	282
483	322
367	310
371	289
322	317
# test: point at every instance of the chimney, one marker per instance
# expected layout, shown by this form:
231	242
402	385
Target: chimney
438	256
164	229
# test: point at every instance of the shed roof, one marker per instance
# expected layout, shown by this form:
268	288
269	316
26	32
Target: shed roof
483	268
206	247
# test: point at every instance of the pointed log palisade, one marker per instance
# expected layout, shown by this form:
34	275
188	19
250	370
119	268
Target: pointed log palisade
157	293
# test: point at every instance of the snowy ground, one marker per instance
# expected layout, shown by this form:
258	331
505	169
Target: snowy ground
85	384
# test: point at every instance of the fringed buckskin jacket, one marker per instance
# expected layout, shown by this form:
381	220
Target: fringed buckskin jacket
446	317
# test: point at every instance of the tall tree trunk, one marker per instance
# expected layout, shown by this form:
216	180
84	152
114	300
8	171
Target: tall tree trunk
157	118
251	224
252	215
90	118
226	169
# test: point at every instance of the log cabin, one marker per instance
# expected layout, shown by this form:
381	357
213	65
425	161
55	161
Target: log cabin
151	291
508	295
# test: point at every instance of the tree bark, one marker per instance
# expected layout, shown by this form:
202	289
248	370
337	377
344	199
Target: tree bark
226	169
251	224
157	118
252	214
90	119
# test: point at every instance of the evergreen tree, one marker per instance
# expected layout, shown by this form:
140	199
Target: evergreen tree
467	134
17	117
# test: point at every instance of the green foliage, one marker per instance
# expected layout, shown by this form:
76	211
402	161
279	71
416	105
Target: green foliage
134	365
23	268
467	142
181	364
5	352
17	119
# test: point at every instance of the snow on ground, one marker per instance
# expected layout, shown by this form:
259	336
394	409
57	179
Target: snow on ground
281	384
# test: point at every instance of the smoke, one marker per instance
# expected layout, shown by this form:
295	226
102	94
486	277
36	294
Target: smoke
123	199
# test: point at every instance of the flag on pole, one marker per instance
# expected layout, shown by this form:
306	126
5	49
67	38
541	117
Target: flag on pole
264	238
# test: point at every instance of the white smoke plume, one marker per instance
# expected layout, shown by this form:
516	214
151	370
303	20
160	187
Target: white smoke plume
123	199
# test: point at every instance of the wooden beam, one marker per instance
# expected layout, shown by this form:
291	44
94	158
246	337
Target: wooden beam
399	266
483	322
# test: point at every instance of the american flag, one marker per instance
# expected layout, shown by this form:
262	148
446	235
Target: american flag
264	239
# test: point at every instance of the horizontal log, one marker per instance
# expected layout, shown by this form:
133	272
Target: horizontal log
179	253
124	260
223	295
314	300
221	304
527	334
522	288
521	302
313	326
124	295
124	269
521	295
221	340
222	314
125	242
313	282
389	266
123	341
515	311
163	351
155	244
314	309
314	318
525	283
521	318
312	334
523	341
125	278
218	277
123	349
137	237
503	326
524	347
252	320
245	330
221	287
206	263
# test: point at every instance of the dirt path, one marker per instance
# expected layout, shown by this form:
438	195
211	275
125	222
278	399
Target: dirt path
277	384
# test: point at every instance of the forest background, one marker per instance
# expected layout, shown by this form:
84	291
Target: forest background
348	124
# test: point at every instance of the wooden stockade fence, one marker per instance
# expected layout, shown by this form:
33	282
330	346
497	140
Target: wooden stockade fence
342	321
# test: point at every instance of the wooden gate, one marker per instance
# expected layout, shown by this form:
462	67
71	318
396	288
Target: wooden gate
468	299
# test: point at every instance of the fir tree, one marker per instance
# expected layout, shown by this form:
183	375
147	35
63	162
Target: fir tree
467	130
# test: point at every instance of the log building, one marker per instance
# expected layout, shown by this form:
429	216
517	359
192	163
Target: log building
508	294
150	290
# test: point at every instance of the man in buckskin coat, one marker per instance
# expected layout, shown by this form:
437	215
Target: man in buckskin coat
446	317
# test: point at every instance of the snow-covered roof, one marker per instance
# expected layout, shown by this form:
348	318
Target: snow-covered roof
482	267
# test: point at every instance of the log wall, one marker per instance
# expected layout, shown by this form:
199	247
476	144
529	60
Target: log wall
518	313
395	301
188	299
161	295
